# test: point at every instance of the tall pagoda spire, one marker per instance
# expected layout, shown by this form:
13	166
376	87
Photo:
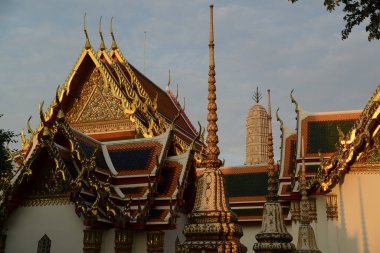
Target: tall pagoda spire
306	237
272	179
213	226
273	238
212	150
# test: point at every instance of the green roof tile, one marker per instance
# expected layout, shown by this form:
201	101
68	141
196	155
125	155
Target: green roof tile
323	135
239	185
311	168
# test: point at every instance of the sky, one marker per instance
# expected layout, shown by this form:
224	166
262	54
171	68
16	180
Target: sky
272	44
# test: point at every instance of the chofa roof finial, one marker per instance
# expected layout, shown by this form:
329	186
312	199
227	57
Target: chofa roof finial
167	86
88	44
114	45
102	45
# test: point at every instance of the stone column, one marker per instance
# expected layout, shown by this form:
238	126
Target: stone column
3	238
92	240
155	241
123	241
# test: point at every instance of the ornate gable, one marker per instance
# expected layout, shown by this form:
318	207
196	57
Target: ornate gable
357	151
95	108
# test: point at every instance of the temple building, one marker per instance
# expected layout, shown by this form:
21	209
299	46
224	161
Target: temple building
115	165
108	168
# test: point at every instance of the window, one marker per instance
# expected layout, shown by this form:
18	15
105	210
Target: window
44	244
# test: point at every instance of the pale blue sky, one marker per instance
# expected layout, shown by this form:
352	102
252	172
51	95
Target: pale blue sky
270	43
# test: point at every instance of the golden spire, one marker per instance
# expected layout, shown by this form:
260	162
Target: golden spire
273	236
102	45
212	150
212	225
272	181
114	45
306	238
88	45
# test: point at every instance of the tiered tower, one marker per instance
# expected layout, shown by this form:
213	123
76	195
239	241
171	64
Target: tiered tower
273	238
256	133
306	237
213	226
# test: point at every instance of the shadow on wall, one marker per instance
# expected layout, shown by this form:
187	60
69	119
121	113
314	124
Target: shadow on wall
346	243
362	219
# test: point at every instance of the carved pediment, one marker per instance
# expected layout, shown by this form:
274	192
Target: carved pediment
371	153
96	109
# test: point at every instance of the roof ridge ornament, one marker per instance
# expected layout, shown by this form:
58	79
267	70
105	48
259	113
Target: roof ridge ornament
256	95
30	130
61	114
88	44
102	45
279	119
294	101
114	45
168	85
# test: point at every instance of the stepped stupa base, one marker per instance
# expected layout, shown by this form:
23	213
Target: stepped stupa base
273	238
306	240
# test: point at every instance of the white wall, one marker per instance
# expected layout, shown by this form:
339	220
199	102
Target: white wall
139	242
27	225
108	241
357	227
249	233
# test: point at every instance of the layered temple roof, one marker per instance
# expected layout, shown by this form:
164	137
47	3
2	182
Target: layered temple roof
113	143
321	132
357	150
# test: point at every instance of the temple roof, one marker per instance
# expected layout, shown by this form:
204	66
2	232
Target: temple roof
112	183
128	102
356	150
247	187
119	147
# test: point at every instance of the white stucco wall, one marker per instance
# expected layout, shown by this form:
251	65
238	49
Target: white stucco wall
108	241
139	242
249	233
171	235
27	225
357	227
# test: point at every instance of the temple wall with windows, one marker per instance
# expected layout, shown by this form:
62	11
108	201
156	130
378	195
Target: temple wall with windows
59	222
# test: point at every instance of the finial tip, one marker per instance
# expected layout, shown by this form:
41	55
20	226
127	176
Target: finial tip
114	45
88	45
102	45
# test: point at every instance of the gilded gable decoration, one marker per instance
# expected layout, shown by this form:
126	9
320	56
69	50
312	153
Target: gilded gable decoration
356	147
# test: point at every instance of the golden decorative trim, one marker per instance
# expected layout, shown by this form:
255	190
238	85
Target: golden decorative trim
53	200
295	210
104	127
365	169
357	143
155	241
332	207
